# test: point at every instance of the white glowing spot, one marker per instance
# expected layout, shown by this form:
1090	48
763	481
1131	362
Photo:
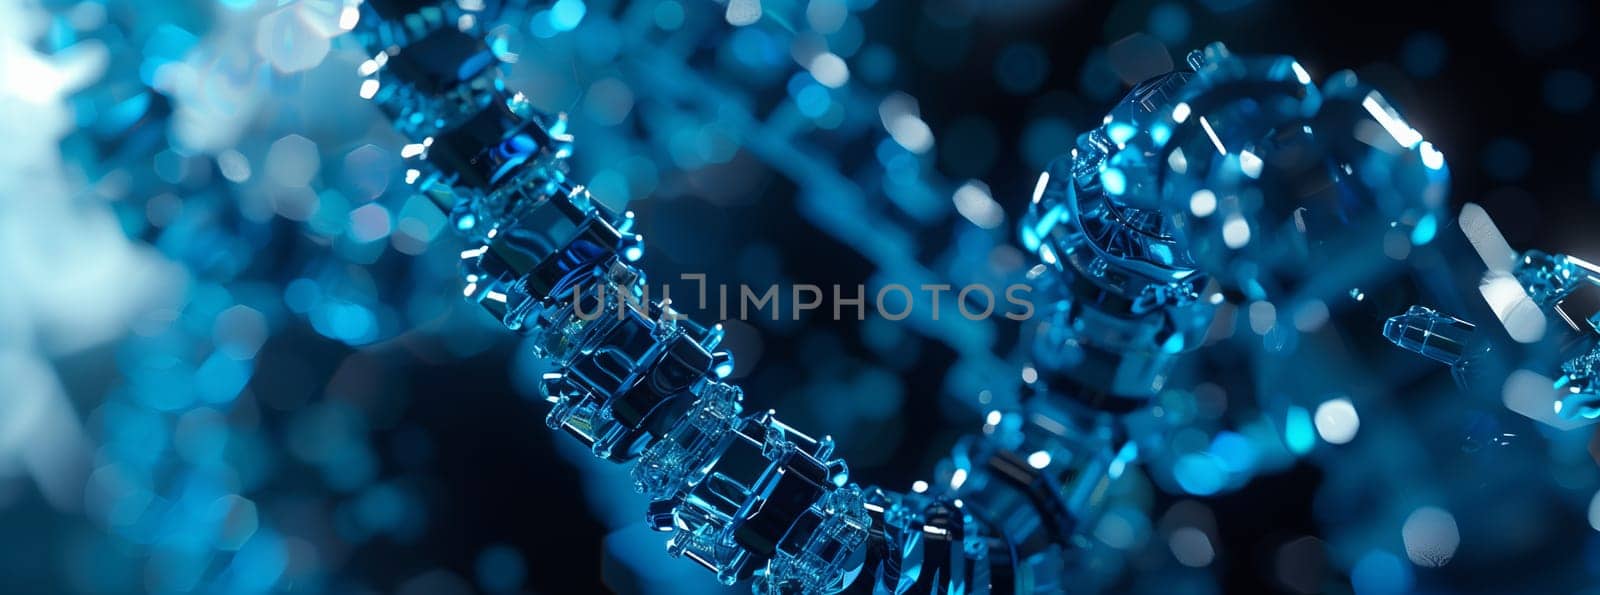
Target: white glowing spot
993	418
1160	133
1121	133
292	161
1531	394
369	88
234	166
411	176
901	117
469	290
958	478
1119	464
1391	121
1431	157
1236	232
1213	134
1178	162
1337	421
496	296
1203	203
474	253
370	222
1431	537
1594	512
1191	547
412	150
912	133
1486	238
1113	181
1047	254
349	17
1038	188
743	12
1250	164
919	486
1180	112
1263	316
1300	73
1039	459
974	203
1517	312
1030	375
295	38
829	69
368	66
1592	271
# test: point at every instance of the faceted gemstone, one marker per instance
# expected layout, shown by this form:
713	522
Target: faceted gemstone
1433	334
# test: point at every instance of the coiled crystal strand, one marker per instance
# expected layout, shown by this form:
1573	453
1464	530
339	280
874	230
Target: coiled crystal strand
744	494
